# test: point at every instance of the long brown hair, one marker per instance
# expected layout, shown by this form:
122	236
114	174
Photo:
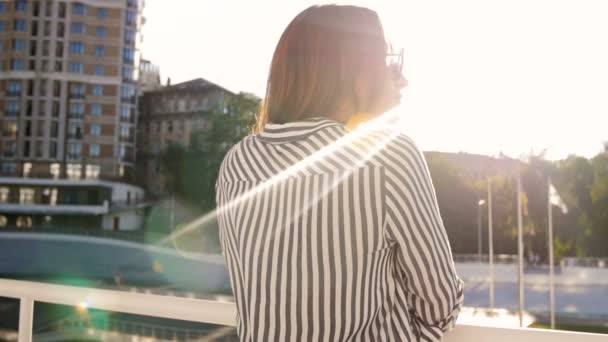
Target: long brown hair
317	60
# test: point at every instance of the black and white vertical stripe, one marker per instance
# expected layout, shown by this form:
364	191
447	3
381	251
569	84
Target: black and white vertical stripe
334	236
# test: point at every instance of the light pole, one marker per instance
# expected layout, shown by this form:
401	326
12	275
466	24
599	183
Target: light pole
490	245
480	204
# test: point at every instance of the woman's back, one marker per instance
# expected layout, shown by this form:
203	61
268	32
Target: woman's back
334	236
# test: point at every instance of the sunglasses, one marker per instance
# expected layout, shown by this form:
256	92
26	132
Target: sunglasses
394	59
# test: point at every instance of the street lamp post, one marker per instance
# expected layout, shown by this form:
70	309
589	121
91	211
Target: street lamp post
480	204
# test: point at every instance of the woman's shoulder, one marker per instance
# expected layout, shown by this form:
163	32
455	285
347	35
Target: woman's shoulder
394	146
230	161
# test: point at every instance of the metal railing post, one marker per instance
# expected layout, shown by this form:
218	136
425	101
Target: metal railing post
26	319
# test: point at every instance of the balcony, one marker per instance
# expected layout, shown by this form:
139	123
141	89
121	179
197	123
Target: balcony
74	156
129	205
128	140
42	209
78	116
75	135
220	313
77	96
127	119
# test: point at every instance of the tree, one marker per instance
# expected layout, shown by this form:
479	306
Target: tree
457	201
191	171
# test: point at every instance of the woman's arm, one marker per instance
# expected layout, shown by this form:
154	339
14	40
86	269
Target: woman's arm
434	291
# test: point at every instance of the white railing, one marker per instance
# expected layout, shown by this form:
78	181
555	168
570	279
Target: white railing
220	313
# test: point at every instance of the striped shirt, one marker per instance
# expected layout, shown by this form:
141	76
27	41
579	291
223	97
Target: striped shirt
332	235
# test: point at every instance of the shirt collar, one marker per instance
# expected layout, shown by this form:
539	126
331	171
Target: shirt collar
296	130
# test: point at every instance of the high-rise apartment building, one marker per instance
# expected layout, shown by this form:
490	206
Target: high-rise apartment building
68	97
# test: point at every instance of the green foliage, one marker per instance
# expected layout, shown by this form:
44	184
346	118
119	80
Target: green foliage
191	171
582	183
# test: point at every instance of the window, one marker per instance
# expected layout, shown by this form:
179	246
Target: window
122	151
2	7
20	25
21	6
12	107
27	169
36	9
102	13
42	108
100	51
28	128
94	150
96	109
9	168
98	90
127	93
101	32
128	55
29	108
42	85
59	50
62	10
77	90
79	9
60	30
54	129
14	88
10	129
77	48
47	28
92	171
73	171
53	149
49	196
19	45
40	149
95	130
41	127
76	110
55	109
131	17
18	64
74	151
1	44
76	67
1	26
4	191
127	73
56	88
99	70
26	195
125	112
124	131
46	47
78	28
55	170
129	36
10	149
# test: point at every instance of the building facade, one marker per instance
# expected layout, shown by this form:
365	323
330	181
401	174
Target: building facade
171	115
68	100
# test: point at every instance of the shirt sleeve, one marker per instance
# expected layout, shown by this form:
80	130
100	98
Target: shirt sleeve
434	291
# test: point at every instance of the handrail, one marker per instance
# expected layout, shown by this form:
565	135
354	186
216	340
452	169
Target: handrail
220	313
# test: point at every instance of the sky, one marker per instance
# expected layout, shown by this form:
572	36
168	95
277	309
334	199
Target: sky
485	76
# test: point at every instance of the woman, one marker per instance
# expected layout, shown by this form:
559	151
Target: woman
331	235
